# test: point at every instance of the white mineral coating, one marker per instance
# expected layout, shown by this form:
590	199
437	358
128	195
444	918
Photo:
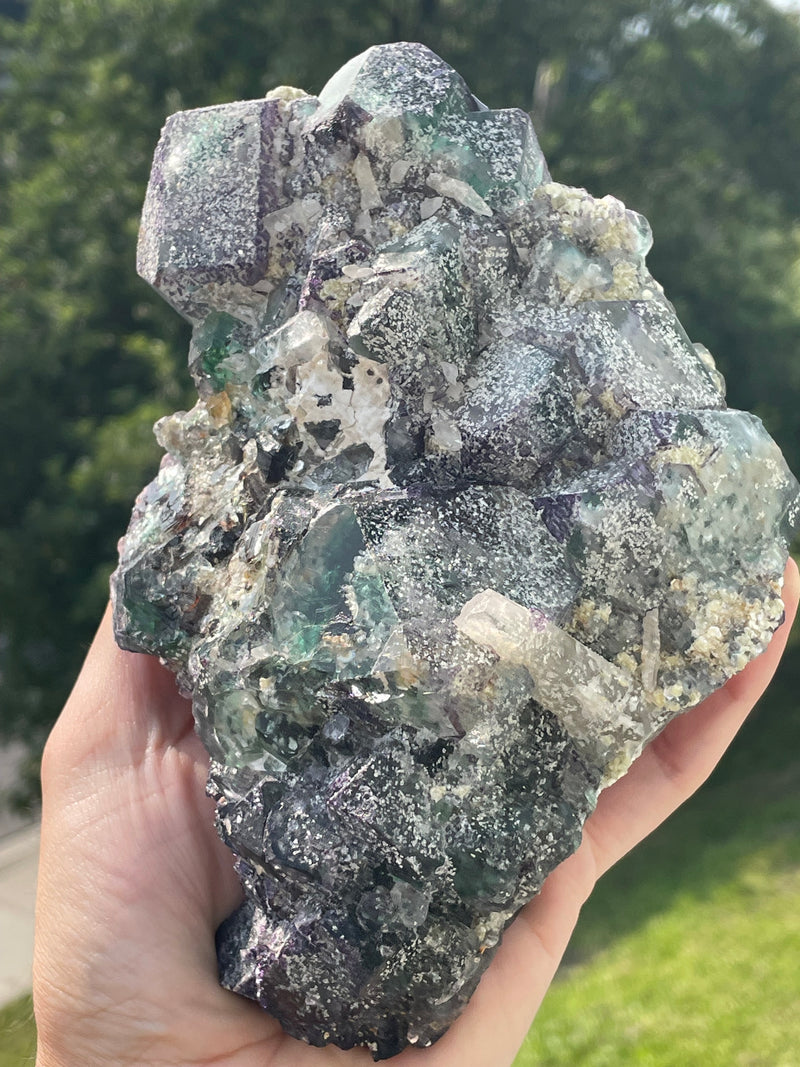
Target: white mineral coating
459	522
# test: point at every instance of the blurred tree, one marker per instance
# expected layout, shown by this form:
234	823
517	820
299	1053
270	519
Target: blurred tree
13	9
688	110
692	116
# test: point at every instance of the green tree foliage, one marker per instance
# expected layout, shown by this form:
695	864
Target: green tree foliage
692	116
688	111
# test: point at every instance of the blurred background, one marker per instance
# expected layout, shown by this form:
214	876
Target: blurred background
687	111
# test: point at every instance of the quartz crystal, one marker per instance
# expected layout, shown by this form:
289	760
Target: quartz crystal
459	522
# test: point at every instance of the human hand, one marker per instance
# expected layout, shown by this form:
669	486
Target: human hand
133	882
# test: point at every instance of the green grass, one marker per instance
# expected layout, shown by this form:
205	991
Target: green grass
17	1034
689	951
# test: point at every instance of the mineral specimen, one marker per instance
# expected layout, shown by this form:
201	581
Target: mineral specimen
459	522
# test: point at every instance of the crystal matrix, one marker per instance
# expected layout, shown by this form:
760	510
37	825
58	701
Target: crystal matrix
459	522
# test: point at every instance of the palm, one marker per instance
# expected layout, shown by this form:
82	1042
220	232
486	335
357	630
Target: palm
134	882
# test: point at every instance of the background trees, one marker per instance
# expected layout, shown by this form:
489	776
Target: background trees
689	111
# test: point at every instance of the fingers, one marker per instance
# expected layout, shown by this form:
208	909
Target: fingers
124	750
121	703
680	759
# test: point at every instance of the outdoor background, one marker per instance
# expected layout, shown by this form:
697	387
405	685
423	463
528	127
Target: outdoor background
690	113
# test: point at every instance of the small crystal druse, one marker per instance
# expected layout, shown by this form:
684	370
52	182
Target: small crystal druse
459	521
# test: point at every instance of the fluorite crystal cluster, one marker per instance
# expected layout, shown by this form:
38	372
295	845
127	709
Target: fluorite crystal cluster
459	521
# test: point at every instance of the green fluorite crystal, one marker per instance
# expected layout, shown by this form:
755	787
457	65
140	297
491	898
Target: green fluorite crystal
459	522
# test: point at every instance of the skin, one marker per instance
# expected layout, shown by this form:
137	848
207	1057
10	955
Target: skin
133	881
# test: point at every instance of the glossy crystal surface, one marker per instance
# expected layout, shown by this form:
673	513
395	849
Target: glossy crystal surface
459	521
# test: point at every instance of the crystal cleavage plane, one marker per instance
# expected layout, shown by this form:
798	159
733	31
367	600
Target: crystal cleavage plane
459	522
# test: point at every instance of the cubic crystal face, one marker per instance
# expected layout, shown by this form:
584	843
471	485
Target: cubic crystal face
459	522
